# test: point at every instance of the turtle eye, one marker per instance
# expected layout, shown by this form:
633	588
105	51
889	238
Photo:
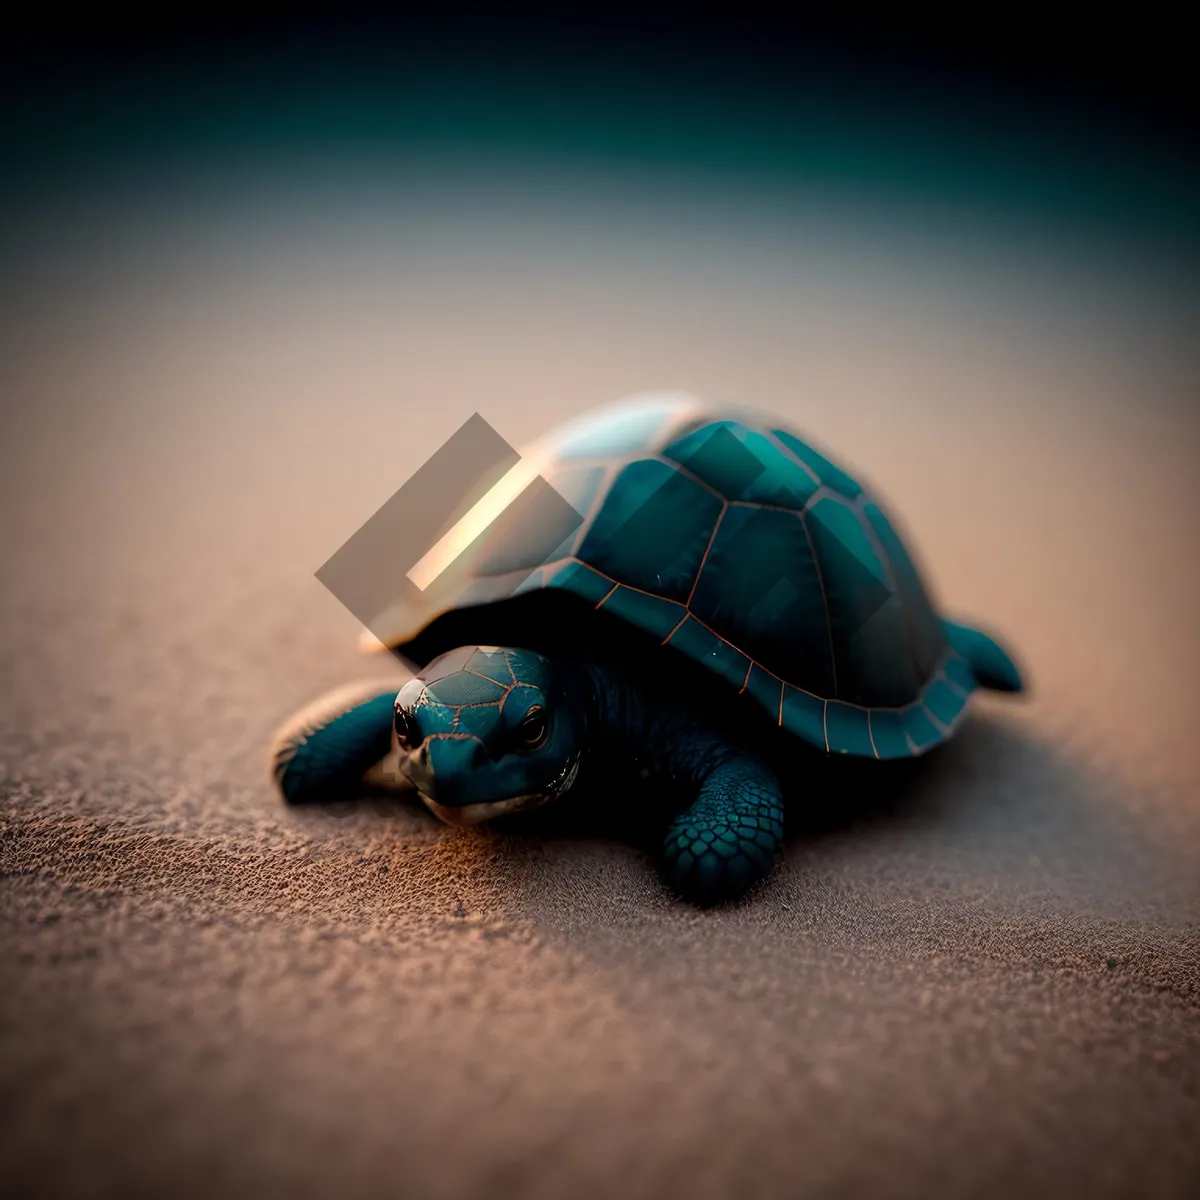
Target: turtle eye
406	729
533	728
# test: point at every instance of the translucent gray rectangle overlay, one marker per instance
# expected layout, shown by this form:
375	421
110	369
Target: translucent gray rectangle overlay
370	572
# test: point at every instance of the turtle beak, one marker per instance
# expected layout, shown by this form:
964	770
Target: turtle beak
441	769
416	769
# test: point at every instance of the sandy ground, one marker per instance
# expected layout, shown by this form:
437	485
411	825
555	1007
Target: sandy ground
989	987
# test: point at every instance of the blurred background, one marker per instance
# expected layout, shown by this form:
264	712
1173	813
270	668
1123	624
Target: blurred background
255	271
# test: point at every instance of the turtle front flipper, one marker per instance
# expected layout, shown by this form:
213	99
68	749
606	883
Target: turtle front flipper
339	742
991	665
728	838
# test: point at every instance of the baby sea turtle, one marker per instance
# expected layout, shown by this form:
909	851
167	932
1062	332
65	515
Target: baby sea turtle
731	602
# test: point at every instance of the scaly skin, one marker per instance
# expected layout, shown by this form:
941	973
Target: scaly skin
727	838
724	840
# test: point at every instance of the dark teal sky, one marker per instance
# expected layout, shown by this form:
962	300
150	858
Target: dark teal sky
889	137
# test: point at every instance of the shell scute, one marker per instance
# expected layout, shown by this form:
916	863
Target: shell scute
831	475
579	578
706	647
943	701
848	730
652	529
804	715
743	465
887	733
760	589
765	688
926	635
920	729
656	616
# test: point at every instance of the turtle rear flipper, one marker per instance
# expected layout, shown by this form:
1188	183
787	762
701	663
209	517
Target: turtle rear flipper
991	665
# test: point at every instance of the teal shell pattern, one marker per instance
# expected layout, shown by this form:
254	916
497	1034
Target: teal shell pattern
731	539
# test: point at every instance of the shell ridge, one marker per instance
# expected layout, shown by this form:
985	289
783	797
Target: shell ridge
712	537
812	550
782	445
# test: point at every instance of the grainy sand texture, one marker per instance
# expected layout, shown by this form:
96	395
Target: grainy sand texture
988	987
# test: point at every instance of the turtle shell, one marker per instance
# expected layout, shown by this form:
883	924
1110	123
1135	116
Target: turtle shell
723	535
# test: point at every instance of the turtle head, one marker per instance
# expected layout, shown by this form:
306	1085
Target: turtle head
484	731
